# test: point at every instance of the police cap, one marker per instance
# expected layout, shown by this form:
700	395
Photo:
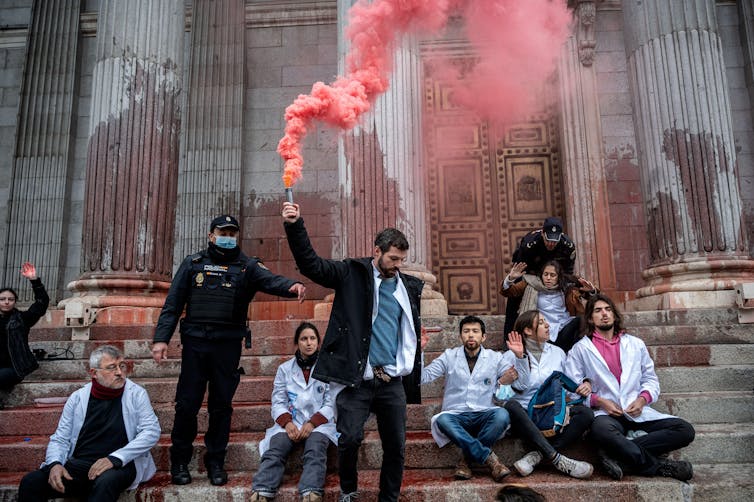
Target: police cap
552	228
224	221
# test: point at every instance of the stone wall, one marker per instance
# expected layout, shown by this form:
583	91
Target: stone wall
283	62
741	107
630	247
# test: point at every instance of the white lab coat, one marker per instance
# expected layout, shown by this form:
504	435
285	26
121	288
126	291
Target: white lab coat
637	374
552	359
466	391
292	394
139	419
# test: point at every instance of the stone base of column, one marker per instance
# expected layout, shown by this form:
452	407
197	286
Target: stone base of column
433	303
117	291
707	283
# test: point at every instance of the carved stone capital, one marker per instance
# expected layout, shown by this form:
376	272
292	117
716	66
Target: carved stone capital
586	13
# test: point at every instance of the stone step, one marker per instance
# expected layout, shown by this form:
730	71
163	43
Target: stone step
259	388
714	443
711	483
143	366
696	407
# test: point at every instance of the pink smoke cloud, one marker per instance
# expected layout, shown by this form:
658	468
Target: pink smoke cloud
517	43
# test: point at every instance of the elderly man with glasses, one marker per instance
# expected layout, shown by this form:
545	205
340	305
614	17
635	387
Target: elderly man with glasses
103	441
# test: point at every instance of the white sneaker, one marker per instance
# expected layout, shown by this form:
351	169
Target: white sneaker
527	463
348	497
574	468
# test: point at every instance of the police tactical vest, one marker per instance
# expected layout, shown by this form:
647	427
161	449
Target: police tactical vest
215	291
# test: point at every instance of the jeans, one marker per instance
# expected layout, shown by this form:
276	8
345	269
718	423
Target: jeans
107	487
639	455
387	400
205	364
475	431
272	466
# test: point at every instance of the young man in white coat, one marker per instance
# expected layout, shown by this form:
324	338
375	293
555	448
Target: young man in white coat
303	411
616	369
469	419
103	441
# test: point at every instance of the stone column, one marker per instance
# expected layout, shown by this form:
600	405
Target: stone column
381	174
132	159
698	247
210	173
39	192
584	173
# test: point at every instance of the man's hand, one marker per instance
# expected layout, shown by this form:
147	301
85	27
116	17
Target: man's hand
55	479
517	271
634	409
99	467
159	351
291	212
292	431
306	431
515	344
612	408
584	389
29	271
300	291
509	376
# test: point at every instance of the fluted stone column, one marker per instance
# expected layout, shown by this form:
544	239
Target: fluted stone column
132	159
584	173
40	186
380	169
698	247
209	180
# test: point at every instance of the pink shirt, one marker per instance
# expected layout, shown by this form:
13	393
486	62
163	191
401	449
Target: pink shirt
610	352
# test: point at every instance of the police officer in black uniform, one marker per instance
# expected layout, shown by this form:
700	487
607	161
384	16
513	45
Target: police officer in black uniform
537	248
215	286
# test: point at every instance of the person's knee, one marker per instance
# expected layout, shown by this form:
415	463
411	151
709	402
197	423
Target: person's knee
501	418
603	428
687	431
446	422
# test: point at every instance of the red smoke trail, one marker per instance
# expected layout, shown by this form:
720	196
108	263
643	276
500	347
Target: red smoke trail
374	31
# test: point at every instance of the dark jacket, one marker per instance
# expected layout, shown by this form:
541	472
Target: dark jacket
345	348
256	277
17	331
532	251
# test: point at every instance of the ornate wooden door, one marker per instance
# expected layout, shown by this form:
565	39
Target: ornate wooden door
487	188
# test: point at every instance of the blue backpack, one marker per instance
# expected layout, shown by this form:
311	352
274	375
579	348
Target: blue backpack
548	408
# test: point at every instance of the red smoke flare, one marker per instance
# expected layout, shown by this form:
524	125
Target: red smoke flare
534	31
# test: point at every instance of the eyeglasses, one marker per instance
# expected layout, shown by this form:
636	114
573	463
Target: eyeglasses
111	369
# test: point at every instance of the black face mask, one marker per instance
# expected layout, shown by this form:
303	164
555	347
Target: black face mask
306	363
220	255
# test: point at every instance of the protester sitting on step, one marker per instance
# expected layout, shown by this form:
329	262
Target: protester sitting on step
557	296
16	358
545	358
619	373
303	411
535	249
469	419
103	441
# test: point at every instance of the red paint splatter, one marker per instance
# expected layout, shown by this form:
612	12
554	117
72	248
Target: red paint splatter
517	44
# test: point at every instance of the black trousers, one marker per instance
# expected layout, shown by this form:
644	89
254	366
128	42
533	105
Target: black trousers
523	427
206	364
639	455
387	400
107	487
8	378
